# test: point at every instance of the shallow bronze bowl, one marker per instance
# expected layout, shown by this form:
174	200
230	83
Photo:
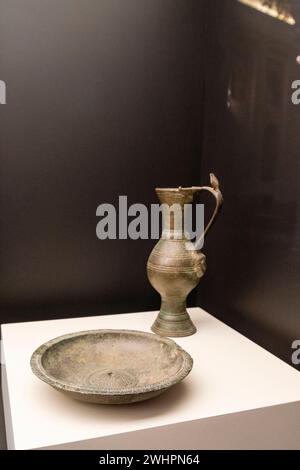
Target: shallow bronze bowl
111	366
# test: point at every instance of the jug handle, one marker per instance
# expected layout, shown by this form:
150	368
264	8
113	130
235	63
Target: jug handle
215	191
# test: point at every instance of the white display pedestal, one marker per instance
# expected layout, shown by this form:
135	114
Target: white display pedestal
238	396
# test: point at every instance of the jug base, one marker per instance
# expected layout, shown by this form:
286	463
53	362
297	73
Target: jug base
174	328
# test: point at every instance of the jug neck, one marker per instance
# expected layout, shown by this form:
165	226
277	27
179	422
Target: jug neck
173	201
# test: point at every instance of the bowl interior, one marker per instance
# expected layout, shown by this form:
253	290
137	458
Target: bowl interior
112	360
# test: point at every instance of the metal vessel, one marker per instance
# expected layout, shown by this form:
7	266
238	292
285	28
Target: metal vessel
111	366
175	265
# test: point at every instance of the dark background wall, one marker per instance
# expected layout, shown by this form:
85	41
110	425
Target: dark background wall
114	98
252	142
104	98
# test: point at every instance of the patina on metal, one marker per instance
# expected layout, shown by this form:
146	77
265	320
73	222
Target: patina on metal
111	366
175	267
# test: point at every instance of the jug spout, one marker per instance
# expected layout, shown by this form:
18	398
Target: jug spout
178	195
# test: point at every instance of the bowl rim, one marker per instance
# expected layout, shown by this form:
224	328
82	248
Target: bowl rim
40	372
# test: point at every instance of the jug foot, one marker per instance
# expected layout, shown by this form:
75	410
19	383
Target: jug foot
173	327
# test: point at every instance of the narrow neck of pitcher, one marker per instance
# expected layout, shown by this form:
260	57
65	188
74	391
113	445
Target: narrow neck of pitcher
173	222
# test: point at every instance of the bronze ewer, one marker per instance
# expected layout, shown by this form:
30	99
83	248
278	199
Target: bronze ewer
175	265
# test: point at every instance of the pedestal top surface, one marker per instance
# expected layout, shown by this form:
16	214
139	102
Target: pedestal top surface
230	374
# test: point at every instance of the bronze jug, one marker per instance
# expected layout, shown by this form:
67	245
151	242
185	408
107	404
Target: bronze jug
175	266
